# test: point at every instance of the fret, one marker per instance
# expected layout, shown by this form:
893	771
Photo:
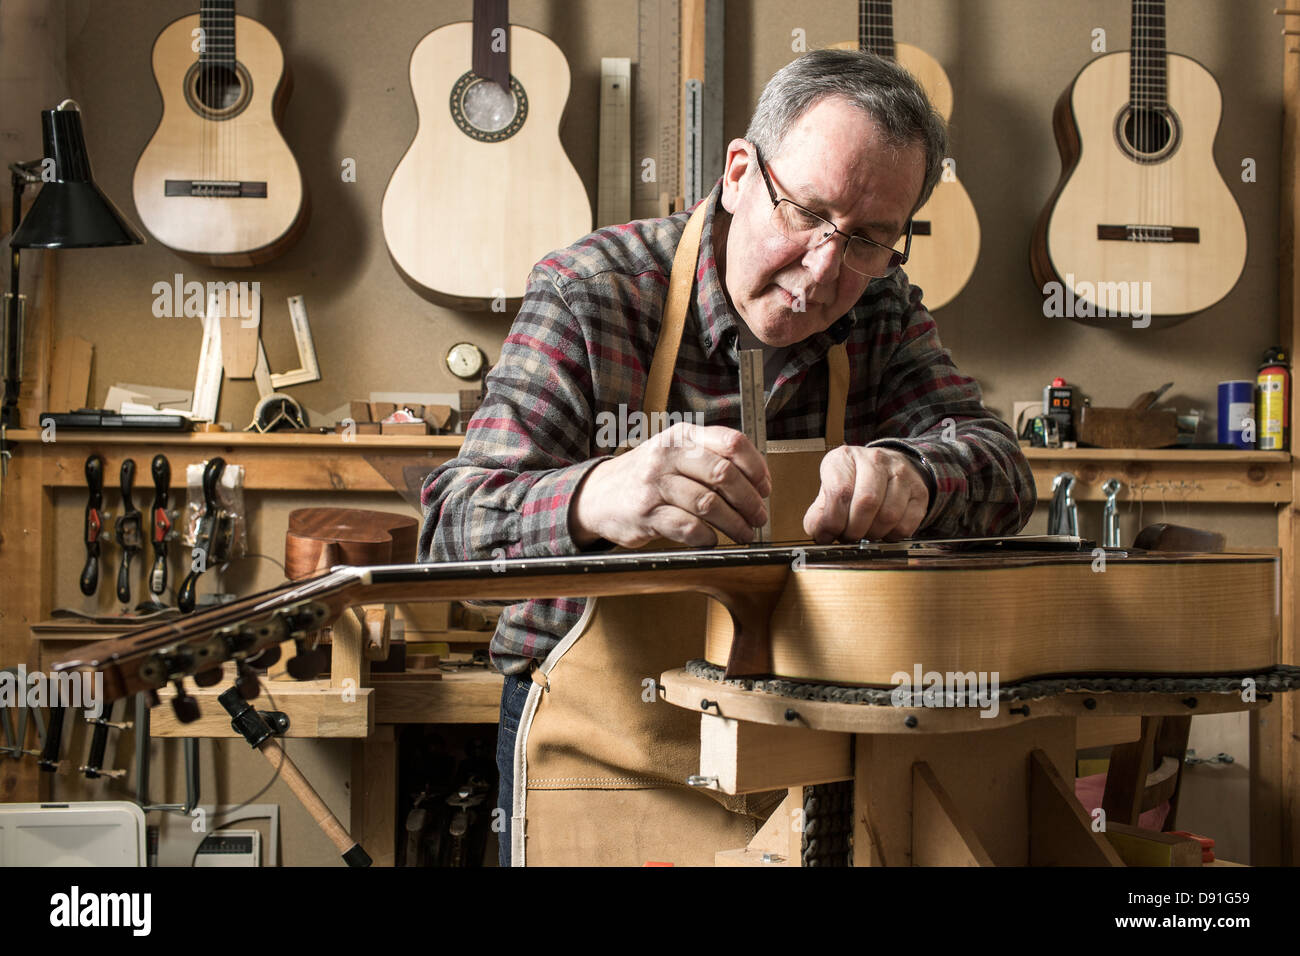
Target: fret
217	21
1148	86
876	27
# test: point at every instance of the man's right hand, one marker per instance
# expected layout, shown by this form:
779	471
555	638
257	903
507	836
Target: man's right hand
680	485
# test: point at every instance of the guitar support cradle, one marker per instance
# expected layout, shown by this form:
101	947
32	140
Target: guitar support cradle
261	735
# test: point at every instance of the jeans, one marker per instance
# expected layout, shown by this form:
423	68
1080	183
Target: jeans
513	696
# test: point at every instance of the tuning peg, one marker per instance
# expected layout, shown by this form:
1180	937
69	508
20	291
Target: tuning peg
208	678
267	658
306	664
185	706
248	683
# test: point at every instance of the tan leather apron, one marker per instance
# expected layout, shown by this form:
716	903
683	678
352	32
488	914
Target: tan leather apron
601	761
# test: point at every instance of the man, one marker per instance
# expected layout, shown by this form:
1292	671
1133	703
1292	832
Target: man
797	255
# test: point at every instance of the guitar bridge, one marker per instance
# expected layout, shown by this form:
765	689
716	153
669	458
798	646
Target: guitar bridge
1136	233
214	188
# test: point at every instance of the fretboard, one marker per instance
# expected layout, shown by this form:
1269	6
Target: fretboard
876	27
217	21
1147	82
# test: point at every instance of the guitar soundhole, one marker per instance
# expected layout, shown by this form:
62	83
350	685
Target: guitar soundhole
1147	135
485	112
218	91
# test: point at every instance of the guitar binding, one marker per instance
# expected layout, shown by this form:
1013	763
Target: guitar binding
471	80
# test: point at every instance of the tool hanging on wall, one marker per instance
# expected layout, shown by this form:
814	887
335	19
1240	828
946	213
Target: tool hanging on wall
703	149
160	530
94	523
656	108
614	178
129	532
94	765
211	539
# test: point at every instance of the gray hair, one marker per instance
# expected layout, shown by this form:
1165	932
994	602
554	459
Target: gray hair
879	87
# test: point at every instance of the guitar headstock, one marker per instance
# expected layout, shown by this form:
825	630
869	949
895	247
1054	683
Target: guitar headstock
249	632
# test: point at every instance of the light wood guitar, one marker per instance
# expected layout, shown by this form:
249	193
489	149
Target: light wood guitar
1020	607
1140	199
217	181
485	189
946	230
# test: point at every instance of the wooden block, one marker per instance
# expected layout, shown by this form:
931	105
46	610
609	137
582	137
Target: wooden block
780	839
376	621
1105	731
425	616
373	818
239	338
347	640
1126	428
359	411
1060	830
404	428
941	836
438	416
315	709
749	757
381	410
1139	847
70	374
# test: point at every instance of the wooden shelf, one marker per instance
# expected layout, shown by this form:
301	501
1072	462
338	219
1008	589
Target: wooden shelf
236	439
1153	454
1169	475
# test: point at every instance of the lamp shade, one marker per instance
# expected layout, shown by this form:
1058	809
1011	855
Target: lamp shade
70	212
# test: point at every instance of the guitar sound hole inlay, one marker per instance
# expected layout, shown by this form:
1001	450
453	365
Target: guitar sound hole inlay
484	112
218	92
1147	135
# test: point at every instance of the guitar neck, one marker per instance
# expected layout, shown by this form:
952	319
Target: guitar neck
876	27
491	56
217	36
737	577
1148	85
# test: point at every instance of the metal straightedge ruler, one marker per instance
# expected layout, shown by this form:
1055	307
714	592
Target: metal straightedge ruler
655	107
753	417
703	150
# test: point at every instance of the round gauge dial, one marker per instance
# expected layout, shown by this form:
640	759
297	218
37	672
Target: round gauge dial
465	360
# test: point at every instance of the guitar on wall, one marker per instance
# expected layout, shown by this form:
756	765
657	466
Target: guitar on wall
217	181
946	230
485	189
1140	198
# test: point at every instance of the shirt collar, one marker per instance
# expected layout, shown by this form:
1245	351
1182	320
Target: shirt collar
712	310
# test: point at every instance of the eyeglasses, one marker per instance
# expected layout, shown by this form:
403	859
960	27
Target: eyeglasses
862	255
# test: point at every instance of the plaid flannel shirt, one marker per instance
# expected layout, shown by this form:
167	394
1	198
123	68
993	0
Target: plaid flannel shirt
578	356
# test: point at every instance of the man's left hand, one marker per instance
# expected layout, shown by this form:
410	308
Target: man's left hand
875	493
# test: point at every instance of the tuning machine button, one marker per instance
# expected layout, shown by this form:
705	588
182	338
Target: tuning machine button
248	683
307	663
185	706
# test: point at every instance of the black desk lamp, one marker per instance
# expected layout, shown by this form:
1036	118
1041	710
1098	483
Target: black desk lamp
70	212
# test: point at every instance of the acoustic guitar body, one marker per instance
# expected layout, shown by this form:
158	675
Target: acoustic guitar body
1141	613
216	139
943	259
469	210
1166	187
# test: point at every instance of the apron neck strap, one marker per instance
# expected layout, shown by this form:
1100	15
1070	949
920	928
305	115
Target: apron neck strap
680	284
